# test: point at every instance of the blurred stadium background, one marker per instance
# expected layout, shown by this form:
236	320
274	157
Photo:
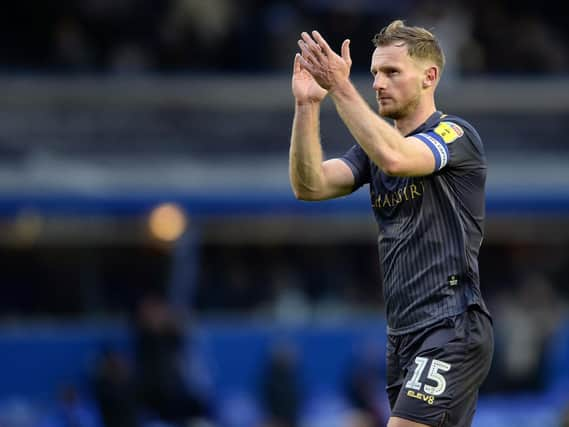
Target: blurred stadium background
155	266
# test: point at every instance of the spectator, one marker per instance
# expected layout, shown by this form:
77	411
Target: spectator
527	319
115	392
281	396
362	389
159	347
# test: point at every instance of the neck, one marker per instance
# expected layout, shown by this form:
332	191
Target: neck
412	121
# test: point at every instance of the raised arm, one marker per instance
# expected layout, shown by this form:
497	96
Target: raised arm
311	177
384	145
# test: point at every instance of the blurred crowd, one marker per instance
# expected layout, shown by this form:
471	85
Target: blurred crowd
151	387
289	284
155	386
524	285
488	36
163	384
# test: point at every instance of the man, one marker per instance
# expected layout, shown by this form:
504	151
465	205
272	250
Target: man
427	176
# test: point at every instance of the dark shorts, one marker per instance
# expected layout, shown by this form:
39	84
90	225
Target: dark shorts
433	375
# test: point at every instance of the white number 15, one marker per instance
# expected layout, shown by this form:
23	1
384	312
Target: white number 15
433	375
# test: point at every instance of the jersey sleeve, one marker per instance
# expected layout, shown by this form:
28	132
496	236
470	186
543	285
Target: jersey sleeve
358	161
452	145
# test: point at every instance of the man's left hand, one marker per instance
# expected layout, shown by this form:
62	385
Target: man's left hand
327	67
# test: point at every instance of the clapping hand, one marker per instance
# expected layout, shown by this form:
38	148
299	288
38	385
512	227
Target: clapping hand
327	68
304	87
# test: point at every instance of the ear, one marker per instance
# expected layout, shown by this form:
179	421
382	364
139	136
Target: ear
430	77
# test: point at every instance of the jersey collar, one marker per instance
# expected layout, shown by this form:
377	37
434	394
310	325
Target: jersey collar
430	122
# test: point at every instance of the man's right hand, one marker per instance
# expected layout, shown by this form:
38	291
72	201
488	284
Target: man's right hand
304	87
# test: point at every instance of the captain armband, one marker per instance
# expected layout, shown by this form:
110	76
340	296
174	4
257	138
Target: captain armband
437	146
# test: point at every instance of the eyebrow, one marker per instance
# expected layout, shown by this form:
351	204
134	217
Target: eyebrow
385	68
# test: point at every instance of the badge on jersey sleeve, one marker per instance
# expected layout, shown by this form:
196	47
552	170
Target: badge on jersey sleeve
449	131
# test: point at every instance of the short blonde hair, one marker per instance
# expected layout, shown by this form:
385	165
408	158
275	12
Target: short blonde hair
421	43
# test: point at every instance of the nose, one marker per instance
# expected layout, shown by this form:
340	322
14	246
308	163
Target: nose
379	82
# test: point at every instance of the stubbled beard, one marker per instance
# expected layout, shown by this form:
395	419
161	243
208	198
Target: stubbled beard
402	111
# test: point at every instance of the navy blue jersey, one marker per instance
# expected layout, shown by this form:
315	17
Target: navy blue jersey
430	227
